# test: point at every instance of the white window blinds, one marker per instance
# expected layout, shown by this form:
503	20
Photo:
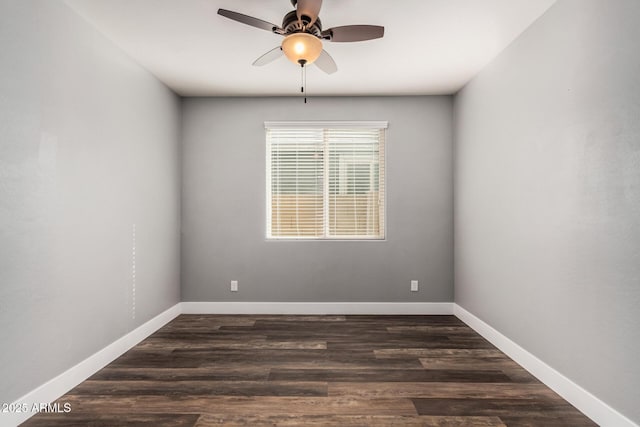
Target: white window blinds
326	180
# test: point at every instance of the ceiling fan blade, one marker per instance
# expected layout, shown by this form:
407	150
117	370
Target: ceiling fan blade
250	20
326	63
353	33
308	8
269	57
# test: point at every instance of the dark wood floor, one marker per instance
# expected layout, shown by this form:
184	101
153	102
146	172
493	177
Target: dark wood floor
313	371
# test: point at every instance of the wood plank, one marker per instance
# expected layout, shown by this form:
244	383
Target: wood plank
199	320
530	408
518	374
109	420
237	372
565	420
393	342
402	353
201	388
300	317
255	405
347	421
400	320
431	329
471	363
213	335
263	344
387	375
382	390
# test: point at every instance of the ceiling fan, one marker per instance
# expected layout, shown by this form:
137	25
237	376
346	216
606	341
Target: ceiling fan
303	35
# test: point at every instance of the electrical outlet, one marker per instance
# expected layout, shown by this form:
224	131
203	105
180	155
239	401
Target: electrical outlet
234	286
414	286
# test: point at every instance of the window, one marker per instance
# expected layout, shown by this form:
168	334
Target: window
326	180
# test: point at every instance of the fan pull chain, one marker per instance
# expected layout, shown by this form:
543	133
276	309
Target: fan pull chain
303	79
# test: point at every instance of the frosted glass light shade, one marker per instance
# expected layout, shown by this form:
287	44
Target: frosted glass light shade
302	47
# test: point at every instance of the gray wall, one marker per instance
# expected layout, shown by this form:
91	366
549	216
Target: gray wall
223	204
88	147
547	195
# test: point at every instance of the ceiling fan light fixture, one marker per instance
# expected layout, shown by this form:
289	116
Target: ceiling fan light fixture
302	48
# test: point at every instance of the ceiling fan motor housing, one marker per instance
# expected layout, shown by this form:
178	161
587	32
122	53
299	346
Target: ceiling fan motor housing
291	24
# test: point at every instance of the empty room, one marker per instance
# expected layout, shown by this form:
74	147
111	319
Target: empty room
319	213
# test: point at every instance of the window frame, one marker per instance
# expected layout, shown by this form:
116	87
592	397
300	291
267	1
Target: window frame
381	125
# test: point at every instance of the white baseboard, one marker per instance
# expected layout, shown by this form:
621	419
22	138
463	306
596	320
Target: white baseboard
594	408
318	308
58	386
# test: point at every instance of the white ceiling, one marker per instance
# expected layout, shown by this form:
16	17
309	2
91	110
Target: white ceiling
429	47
